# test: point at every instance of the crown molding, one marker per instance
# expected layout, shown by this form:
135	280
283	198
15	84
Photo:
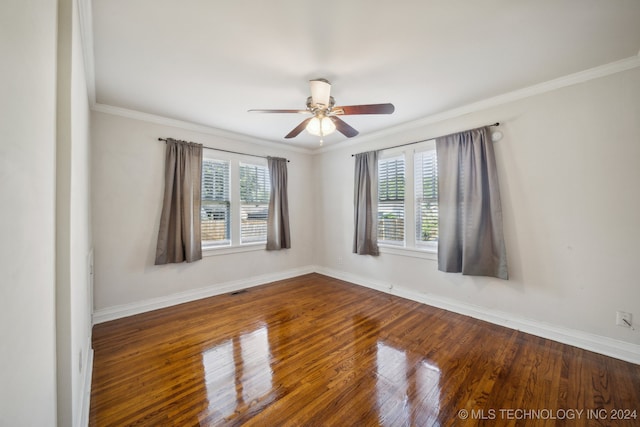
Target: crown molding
551	85
181	124
86	34
86	31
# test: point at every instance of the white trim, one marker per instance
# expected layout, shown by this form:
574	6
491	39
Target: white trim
597	343
181	124
225	250
609	347
431	254
119	311
85	16
85	399
559	83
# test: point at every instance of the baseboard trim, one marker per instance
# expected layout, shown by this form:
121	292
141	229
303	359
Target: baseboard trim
86	387
599	344
125	310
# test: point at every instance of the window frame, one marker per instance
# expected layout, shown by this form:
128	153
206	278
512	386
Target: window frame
387	156
421	244
411	247
235	245
264	204
210	244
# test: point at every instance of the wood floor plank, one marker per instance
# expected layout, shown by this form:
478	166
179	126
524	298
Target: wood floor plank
317	351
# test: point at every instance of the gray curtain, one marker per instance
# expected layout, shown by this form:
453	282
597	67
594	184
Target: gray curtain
179	234
278	236
470	214
365	200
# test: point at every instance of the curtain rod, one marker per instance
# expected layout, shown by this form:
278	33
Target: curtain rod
423	140
226	151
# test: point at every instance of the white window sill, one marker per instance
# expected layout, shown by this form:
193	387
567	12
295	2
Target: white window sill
426	253
225	250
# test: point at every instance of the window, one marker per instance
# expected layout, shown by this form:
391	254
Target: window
426	197
255	188
235	202
391	186
215	212
408	199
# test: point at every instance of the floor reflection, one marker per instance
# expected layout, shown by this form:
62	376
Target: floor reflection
406	397
240	378
394	407
219	368
428	392
256	374
238	374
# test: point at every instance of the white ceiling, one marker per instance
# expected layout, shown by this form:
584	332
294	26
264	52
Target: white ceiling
209	61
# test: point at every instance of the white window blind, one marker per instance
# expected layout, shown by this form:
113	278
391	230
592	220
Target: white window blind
215	212
391	186
426	197
255	188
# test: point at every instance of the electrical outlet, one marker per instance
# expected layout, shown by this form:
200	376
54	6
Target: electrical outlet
623	319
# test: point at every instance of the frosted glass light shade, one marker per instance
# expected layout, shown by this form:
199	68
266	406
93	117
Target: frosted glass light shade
321	126
320	91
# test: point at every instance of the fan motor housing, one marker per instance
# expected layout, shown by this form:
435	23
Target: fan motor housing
313	107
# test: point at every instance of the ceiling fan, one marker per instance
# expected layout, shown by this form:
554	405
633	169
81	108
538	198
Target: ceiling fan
324	119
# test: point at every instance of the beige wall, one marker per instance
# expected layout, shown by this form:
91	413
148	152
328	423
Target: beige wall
128	173
569	165
27	217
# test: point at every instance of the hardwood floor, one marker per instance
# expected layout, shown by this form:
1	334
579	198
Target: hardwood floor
316	351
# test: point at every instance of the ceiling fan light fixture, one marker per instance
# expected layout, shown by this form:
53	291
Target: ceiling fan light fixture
321	126
325	117
320	92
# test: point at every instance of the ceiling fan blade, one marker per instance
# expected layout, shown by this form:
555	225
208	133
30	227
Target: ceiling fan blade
364	109
296	131
320	91
279	111
343	127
